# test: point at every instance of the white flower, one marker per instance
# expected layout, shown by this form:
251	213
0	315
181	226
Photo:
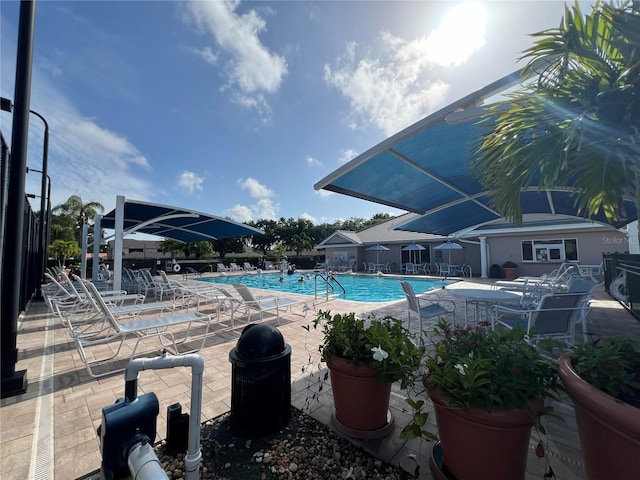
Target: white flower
460	368
366	324
379	354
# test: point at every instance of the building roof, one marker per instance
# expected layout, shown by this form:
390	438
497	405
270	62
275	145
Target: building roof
384	233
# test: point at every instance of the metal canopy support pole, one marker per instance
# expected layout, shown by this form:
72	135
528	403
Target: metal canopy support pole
483	257
83	260
118	243
14	383
97	240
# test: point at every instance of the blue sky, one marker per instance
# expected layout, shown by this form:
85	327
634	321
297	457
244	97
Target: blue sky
237	108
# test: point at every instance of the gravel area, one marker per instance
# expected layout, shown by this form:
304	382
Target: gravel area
304	449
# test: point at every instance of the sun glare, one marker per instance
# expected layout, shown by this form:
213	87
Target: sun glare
462	33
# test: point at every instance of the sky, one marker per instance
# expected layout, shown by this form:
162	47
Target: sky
237	108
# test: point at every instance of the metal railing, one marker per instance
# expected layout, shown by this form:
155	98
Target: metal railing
329	283
622	279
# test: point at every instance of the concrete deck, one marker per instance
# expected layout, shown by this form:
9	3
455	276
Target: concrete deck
50	431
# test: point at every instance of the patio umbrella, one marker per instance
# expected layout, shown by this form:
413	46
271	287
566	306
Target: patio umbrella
449	246
378	248
414	247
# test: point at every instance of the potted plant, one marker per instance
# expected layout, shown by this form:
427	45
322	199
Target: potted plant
603	381
488	390
510	270
364	357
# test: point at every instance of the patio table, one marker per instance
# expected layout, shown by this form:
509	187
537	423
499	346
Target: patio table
482	300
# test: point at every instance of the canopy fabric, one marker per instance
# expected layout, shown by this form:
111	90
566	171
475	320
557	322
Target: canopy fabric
177	223
424	169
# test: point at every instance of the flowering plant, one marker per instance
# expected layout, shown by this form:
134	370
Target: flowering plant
486	369
383	344
611	365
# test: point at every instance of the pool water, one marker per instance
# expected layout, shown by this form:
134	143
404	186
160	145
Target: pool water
359	288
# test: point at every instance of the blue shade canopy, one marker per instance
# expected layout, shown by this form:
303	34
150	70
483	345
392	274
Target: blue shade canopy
425	169
177	223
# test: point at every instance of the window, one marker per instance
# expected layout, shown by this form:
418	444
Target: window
136	250
550	250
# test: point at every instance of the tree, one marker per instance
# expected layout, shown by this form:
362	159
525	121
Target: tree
63	249
199	249
228	245
172	246
300	242
578	127
81	212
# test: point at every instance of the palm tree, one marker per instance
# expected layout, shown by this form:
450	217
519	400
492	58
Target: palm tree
81	212
578	126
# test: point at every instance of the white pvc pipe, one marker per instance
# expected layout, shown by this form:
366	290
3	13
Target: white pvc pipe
196	362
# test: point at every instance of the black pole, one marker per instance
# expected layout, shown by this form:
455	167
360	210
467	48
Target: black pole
14	383
43	191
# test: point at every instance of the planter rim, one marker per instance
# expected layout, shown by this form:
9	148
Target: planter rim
621	415
495	416
343	364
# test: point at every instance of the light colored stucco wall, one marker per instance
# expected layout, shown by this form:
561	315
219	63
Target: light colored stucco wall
591	246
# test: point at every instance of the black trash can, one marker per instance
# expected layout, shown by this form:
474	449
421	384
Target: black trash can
495	271
260	380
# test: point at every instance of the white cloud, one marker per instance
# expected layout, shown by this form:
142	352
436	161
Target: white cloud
394	83
255	188
312	161
251	70
263	209
207	54
190	182
311	218
240	213
324	193
266	208
347	155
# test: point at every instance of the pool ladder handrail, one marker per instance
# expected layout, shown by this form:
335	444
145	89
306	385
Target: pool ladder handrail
328	278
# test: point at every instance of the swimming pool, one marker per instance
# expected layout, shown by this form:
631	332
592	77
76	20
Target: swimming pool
359	288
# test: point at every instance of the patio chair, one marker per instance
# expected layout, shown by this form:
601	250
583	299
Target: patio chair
222	268
410	268
268	265
426	306
234	267
444	269
555	316
265	304
248	267
113	331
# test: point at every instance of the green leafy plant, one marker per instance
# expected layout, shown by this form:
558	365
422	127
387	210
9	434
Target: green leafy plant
612	365
383	344
486	369
509	264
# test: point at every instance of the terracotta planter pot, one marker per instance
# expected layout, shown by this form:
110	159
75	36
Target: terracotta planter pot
510	273
480	444
361	402
609	429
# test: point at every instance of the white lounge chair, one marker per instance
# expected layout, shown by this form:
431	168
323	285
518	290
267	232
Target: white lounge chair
265	304
234	267
248	267
222	268
113	331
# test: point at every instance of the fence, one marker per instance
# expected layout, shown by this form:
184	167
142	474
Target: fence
622	279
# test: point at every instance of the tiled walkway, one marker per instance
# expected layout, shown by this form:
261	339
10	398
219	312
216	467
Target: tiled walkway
50	431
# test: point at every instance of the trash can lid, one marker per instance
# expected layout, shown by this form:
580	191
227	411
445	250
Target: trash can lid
260	341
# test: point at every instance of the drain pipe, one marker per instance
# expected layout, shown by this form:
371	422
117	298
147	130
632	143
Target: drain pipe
196	362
